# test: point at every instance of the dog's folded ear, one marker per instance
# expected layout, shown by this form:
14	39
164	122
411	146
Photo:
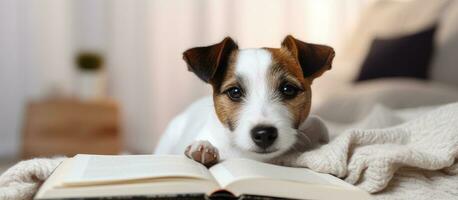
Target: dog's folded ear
314	59
208	61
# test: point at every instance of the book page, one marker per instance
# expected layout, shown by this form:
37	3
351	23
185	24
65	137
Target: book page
234	170
99	169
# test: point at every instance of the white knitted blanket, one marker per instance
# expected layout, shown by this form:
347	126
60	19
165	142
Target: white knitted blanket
22	181
406	154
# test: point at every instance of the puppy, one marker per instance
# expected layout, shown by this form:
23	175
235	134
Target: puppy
261	97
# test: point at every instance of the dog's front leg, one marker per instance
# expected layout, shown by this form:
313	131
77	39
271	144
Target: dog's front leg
203	152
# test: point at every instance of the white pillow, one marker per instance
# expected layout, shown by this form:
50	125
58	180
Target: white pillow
444	67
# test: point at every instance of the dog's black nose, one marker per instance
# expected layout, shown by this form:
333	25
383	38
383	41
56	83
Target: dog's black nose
264	136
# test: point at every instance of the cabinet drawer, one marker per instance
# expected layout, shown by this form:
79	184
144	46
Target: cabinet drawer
68	127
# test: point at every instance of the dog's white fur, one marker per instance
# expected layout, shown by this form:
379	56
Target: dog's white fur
261	106
199	121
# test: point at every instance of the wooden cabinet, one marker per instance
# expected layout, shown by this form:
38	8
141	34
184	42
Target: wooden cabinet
69	127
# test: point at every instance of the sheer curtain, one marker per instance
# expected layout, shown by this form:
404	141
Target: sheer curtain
147	39
36	51
143	41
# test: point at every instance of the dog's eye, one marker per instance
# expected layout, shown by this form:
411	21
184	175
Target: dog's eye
288	90
234	93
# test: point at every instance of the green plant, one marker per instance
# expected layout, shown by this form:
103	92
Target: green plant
89	61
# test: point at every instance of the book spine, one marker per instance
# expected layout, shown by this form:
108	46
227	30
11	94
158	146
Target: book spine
222	195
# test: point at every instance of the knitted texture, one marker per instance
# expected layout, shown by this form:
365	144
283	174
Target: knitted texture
22	181
411	154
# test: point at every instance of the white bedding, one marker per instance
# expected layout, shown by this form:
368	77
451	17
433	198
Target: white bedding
347	103
417	146
389	137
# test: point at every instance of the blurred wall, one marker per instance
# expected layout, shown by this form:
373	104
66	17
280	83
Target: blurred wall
35	41
9	75
143	41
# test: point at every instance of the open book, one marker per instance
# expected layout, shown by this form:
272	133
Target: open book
177	177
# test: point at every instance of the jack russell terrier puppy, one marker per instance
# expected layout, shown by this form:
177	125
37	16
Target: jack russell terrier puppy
260	104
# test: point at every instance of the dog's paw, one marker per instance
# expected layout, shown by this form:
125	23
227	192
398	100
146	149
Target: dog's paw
203	152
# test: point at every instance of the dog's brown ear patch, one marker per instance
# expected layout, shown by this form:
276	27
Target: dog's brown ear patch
206	61
314	59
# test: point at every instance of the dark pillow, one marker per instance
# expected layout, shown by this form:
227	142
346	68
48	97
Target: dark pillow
406	56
